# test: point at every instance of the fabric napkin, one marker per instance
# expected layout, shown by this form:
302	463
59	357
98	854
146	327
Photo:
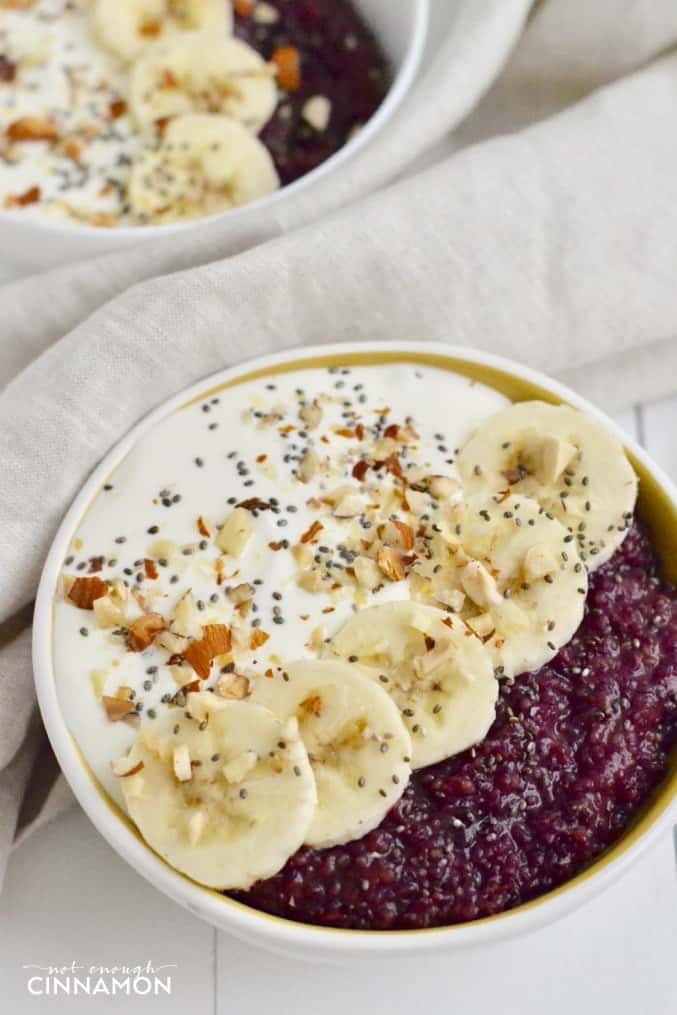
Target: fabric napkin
555	244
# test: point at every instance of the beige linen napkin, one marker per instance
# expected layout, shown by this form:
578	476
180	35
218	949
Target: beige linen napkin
556	245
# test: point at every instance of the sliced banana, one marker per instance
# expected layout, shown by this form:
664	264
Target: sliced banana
127	27
512	573
566	461
226	796
358	745
204	165
194	73
437	672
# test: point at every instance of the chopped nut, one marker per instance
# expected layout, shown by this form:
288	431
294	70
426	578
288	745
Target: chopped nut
397	533
308	466
310	414
186	620
443	487
453	598
29	196
555	456
117	708
143	630
233	686
215	641
241	593
240	767
117	108
483	626
349	506
203	527
84	591
183	770
367	573
287	62
257	638
244	8
32	128
175	644
150	568
302	554
311	532
390	564
235	532
311	580
479	584
111	610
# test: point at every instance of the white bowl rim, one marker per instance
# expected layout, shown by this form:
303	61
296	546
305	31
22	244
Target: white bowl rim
273	932
394	98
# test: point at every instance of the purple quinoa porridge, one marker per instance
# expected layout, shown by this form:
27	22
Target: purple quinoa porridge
340	60
574	751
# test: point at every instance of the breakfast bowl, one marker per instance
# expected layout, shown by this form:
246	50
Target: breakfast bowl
72	199
564	739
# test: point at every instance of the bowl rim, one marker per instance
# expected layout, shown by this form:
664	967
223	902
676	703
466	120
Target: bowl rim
395	96
250	924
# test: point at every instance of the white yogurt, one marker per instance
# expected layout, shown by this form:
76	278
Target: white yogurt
238	445
63	75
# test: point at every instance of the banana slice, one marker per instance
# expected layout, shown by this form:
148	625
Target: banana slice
204	165
512	573
226	796
206	74
358	745
127	27
563	459
437	672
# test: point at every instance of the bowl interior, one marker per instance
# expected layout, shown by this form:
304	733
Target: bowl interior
657	507
400	27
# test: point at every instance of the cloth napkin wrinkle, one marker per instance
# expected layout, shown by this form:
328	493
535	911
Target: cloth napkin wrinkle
554	245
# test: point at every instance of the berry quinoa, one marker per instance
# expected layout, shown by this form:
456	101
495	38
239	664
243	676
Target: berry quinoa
573	753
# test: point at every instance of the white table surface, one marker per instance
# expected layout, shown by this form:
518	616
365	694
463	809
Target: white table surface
69	898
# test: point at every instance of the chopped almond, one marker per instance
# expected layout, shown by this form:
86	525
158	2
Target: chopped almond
390	564
215	641
397	533
150	28
117	108
143	630
203	528
258	638
308	465
254	504
233	686
32	128
311	414
244	8
183	770
84	591
311	532
241	593
149	568
287	60
30	196
117	708
392	431
360	470
235	532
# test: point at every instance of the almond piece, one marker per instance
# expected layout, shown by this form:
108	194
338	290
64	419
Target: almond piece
32	128
30	196
215	641
235	532
258	638
241	593
143	630
117	708
390	564
308	466
84	591
233	686
479	585
312	531
397	533
367	573
183	770
310	414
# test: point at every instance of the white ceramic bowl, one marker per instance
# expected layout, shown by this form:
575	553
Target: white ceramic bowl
658	505
401	28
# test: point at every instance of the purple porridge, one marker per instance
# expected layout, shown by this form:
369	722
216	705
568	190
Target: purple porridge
575	750
338	60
